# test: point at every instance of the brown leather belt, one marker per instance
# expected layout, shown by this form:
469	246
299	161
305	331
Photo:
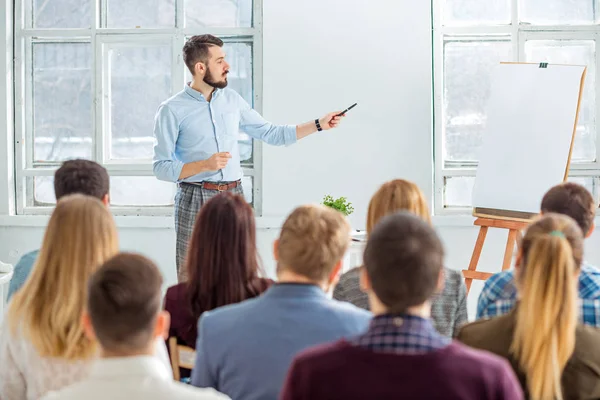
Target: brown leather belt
219	187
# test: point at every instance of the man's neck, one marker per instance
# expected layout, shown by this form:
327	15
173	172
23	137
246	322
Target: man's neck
423	310
202	87
106	353
286	276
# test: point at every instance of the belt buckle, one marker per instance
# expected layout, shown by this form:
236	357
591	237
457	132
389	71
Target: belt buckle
222	187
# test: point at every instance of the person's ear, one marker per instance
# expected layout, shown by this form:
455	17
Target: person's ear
334	277
88	329
441	281
106	200
199	69
591	230
364	281
276	249
163	322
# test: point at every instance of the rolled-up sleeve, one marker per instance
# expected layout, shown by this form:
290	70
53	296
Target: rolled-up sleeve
165	165
257	127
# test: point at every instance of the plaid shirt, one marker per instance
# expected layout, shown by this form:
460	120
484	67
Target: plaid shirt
499	295
401	334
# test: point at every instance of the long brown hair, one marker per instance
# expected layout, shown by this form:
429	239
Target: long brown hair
81	235
222	260
544	339
397	195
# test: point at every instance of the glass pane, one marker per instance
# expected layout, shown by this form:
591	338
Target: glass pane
467	71
591	183
458	191
218	13
43	190
558	12
248	186
240	79
141	191
62	101
140	13
140	79
471	12
62	13
577	52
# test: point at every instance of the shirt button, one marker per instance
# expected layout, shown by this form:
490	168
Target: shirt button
398	321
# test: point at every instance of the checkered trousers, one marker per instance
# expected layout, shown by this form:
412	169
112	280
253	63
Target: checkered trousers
188	200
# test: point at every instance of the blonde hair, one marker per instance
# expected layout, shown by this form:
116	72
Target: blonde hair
81	235
544	338
397	195
313	239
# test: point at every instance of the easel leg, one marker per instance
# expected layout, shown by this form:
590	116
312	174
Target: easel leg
476	254
510	247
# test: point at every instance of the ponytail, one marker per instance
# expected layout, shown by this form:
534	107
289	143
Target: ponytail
544	337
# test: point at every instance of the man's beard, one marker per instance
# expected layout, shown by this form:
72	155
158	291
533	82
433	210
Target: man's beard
208	79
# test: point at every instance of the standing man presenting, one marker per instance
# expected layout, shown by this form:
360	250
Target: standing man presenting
196	135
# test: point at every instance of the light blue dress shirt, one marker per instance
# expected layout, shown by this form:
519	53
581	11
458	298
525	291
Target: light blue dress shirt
188	128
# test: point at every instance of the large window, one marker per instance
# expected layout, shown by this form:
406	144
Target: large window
90	75
470	38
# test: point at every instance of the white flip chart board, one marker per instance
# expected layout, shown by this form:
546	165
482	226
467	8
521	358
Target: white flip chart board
527	143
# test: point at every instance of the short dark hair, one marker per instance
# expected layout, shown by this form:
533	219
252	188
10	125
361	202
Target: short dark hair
81	177
196	49
124	300
403	259
572	200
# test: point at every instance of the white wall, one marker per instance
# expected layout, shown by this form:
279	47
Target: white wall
320	56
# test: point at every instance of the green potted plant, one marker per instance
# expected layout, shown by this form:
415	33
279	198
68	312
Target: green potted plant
341	204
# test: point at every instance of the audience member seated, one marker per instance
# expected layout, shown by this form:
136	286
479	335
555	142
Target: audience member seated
42	343
244	350
222	266
401	355
74	176
554	356
123	314
499	293
449	307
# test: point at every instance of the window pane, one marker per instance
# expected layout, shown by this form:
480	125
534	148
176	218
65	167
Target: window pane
248	186
458	191
467	72
577	52
140	79
62	101
591	183
141	191
43	190
62	13
458	12
140	13
218	13
559	12
240	79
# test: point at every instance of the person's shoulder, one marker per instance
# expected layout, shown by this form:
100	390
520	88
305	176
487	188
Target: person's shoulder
28	258
482	360
323	354
350	278
76	391
176	292
586	340
348	310
180	390
478	332
453	279
500	279
230	313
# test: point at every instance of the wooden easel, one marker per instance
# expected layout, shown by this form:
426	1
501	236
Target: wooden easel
514	232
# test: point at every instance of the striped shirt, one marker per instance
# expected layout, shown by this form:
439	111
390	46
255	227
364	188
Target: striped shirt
401	334
499	295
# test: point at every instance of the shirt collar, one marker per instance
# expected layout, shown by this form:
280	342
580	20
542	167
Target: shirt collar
402	322
291	290
197	95
148	366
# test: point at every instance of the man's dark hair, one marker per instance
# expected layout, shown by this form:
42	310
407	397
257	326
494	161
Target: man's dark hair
81	177
572	200
196	49
124	300
403	259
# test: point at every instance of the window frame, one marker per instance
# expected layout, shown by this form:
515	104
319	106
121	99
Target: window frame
518	34
100	39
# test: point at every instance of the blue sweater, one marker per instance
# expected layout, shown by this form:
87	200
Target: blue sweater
245	350
21	272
